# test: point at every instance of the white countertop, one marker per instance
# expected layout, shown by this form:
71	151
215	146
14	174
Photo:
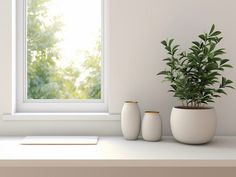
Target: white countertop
117	152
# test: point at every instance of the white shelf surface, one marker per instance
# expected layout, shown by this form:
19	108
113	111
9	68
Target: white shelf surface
117	152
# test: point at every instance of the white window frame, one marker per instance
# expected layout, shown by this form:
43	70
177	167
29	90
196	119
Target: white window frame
54	106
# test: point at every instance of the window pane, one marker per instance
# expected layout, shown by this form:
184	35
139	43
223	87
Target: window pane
64	49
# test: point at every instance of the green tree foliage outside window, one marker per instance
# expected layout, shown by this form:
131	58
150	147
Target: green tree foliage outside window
47	80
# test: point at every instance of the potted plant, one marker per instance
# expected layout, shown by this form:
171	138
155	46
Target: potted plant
196	79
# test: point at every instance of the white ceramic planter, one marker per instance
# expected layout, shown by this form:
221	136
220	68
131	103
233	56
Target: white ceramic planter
151	126
130	120
193	126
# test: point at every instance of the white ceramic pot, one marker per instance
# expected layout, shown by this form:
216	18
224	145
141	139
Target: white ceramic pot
193	126
130	120
151	126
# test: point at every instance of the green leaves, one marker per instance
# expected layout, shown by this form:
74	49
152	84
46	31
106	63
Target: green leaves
168	46
212	29
164	43
223	61
213	32
203	37
163	73
170	42
196	43
216	33
226	83
193	75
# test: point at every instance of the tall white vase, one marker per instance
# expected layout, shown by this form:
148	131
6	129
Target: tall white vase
151	126
130	120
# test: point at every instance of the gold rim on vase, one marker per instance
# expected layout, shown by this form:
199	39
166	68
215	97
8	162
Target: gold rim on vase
131	102
152	112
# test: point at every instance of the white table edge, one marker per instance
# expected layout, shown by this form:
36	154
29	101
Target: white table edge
126	162
117	163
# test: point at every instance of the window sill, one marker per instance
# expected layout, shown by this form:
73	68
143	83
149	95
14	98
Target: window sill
117	152
61	117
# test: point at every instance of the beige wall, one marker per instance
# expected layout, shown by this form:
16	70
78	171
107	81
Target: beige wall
136	29
117	172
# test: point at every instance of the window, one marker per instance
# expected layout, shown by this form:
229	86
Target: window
60	56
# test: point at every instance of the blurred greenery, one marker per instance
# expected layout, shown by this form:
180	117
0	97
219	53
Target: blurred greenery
90	87
47	80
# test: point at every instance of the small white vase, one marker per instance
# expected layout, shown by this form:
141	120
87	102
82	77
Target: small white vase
151	126
130	120
193	126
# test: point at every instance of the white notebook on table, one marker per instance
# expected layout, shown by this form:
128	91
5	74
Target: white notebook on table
60	140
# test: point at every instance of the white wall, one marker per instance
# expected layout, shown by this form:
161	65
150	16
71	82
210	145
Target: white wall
136	29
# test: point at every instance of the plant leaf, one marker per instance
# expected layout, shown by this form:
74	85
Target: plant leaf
216	33
202	37
164	43
170	42
229	86
163	73
212	29
227	66
223	61
166	59
196	43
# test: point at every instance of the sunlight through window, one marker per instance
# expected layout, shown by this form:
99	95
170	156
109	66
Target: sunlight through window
64	49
